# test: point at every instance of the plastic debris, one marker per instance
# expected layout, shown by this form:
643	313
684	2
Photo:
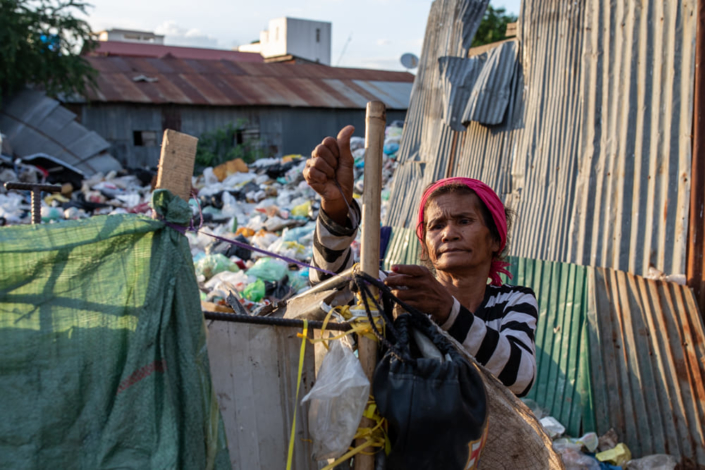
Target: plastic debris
552	426
617	456
265	204
653	462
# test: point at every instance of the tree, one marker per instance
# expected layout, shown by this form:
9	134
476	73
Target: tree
493	26
40	45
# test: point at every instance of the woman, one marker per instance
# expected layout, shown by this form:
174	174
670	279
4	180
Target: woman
462	227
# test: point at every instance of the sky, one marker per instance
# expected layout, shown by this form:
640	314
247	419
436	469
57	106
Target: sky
366	33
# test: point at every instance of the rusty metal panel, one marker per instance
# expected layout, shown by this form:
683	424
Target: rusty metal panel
595	158
647	347
226	83
34	123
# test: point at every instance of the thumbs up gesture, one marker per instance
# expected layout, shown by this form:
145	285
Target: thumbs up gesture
332	160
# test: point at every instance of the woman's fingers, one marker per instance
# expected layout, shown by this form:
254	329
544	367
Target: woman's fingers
331	144
315	176
328	154
321	165
410	270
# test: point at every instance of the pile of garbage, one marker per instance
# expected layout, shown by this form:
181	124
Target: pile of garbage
266	205
590	452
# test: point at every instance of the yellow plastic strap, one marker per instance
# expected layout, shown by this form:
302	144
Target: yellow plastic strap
374	437
296	404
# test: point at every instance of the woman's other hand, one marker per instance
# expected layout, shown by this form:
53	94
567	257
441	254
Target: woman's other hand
332	160
422	290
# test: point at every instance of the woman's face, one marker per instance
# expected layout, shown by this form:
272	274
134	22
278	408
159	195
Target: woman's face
457	239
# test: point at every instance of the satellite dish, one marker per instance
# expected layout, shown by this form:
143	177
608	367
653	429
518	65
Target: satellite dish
409	61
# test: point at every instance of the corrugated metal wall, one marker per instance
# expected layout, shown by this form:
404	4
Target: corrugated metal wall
647	349
594	153
282	130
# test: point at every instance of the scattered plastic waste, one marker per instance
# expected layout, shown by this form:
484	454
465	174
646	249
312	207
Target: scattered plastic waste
653	462
266	204
552	426
617	456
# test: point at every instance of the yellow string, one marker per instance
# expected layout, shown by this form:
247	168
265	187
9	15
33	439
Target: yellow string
296	404
374	437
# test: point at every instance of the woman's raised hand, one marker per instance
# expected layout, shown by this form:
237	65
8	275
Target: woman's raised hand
332	160
423	291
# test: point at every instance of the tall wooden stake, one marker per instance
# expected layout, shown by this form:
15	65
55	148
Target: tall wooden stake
176	163
375	122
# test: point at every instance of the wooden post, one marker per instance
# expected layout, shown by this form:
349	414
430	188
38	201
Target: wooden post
176	163
375	122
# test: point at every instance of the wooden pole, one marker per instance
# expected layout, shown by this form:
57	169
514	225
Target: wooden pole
375	122
176	163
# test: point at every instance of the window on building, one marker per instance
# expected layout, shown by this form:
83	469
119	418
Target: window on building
144	138
276	33
318	35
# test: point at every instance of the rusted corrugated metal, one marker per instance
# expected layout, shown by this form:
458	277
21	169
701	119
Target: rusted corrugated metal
696	223
647	348
136	49
594	152
228	83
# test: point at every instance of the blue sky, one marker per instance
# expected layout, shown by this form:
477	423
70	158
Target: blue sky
380	31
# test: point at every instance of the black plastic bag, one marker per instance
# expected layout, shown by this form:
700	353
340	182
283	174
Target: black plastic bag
436	409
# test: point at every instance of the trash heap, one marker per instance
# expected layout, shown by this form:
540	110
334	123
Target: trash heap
591	452
266	204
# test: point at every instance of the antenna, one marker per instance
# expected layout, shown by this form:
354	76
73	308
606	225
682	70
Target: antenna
409	61
345	47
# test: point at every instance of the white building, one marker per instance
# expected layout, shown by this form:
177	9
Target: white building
291	38
127	35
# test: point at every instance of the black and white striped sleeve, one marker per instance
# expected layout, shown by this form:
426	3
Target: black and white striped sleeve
331	244
504	341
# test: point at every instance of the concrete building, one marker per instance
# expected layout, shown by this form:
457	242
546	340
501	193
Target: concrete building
128	35
291	38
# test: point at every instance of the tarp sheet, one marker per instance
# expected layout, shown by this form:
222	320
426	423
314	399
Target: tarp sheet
104	361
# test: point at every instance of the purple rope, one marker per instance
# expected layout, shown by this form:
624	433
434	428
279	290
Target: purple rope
181	229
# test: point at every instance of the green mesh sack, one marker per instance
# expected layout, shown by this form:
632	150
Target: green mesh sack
104	361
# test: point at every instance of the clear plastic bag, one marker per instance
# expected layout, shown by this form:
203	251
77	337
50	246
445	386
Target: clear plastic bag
653	462
337	401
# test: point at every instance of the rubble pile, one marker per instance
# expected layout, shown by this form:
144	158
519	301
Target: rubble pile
266	204
590	452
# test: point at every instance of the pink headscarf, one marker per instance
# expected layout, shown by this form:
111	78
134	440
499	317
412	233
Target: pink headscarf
494	205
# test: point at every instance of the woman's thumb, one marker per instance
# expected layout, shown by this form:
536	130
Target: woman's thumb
344	145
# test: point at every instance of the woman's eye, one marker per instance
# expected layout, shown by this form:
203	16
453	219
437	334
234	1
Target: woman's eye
464	221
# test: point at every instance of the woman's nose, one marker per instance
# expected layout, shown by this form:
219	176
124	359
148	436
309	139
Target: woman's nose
450	233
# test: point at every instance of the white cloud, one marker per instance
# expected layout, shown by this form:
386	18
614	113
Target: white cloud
179	36
383	42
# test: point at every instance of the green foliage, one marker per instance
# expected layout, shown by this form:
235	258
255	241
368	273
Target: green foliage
40	45
220	146
493	26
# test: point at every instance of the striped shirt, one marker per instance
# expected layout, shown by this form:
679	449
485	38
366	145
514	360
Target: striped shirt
499	334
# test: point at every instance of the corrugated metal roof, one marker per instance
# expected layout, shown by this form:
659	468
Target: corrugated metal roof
594	154
136	49
227	83
34	123
647	348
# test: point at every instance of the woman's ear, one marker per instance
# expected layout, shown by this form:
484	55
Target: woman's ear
495	246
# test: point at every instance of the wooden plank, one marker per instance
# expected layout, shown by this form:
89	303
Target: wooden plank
254	369
176	163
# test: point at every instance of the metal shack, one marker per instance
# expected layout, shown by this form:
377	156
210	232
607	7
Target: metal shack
277	104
